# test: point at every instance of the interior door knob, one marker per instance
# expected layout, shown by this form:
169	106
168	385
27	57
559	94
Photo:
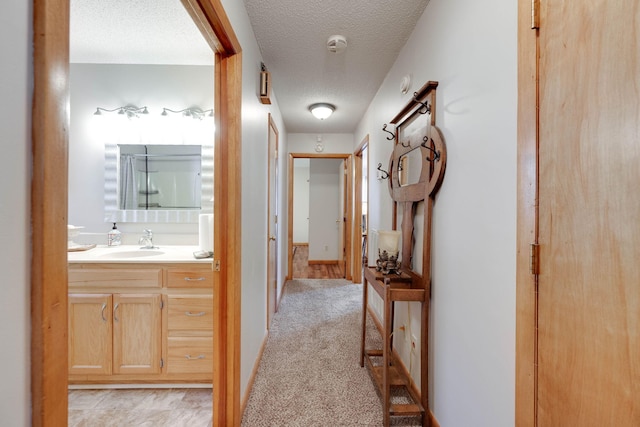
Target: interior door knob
272	237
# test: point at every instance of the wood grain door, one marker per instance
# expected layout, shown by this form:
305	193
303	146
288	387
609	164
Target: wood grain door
136	334
272	242
90	332
588	304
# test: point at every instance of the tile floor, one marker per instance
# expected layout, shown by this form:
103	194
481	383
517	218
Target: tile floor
173	407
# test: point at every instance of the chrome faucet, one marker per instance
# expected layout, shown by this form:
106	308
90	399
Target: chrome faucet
147	240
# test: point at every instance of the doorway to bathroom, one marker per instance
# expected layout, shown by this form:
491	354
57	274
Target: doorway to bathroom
49	206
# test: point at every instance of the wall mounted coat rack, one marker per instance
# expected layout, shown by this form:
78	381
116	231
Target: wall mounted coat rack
416	171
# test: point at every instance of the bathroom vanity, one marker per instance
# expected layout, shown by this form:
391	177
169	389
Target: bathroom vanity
140	316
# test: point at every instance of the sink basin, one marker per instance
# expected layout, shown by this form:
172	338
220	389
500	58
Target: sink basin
140	253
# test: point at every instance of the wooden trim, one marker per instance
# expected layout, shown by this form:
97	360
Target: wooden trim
357	209
271	124
49	200
348	209
49	204
525	411
254	373
227	241
300	244
323	262
421	93
210	17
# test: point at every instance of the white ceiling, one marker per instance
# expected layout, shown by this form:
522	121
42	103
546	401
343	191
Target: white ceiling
291	34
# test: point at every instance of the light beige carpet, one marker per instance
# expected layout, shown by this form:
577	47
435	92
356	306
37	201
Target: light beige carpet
310	372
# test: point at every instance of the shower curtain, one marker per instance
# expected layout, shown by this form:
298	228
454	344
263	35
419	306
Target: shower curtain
128	184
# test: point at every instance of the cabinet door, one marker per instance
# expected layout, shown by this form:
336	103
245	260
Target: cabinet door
136	334
90	331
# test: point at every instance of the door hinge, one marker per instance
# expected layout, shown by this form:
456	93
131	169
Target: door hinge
216	265
534	258
275	219
535	14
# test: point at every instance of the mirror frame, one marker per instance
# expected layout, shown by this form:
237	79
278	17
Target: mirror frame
112	213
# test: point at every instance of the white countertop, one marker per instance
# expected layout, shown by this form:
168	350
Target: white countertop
134	254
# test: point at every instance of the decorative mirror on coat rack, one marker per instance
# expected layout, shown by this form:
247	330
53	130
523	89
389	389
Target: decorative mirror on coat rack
416	171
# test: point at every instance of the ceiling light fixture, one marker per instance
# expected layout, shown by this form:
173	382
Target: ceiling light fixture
322	110
129	110
194	112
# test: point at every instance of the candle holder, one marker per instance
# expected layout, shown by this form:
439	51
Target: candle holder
388	242
387	264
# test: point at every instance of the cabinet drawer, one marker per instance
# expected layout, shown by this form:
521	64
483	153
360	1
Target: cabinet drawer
190	312
111	277
190	355
189	278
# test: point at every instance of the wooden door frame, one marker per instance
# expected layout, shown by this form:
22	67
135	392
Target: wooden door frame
527	226
357	209
49	204
272	125
349	208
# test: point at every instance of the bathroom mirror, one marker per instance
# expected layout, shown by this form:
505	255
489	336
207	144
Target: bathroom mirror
157	183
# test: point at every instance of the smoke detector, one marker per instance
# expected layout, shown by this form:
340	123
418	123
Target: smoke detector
336	44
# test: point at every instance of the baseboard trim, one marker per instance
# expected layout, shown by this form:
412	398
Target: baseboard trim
252	378
323	262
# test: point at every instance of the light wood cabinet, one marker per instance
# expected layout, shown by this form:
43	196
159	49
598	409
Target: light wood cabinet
190	338
90	334
114	334
136	334
141	323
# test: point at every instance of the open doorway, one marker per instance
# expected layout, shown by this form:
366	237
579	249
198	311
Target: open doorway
320	207
361	209
49	212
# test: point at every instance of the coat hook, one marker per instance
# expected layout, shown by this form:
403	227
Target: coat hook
392	137
385	173
407	145
436	154
427	107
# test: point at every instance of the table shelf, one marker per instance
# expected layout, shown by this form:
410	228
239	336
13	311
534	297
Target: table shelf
387	375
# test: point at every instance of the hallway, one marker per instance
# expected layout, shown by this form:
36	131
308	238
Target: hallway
302	269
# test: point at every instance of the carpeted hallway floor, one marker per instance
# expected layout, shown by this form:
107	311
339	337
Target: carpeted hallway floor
310	372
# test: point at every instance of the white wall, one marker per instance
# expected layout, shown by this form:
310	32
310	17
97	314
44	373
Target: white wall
301	201
332	142
111	86
471	51
15	163
325	196
254	193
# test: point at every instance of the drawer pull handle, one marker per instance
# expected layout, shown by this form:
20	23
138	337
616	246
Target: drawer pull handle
194	279
188	357
104	319
115	312
190	314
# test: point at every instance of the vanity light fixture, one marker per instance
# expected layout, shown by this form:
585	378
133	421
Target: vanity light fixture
322	110
129	110
193	112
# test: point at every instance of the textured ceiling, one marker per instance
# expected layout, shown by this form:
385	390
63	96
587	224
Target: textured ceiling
291	34
135	32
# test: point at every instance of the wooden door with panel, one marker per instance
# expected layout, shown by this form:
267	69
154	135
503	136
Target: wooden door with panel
588	293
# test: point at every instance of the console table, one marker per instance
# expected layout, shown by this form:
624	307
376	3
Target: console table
416	171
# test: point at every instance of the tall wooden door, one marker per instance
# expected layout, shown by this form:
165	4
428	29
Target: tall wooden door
272	245
588	299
